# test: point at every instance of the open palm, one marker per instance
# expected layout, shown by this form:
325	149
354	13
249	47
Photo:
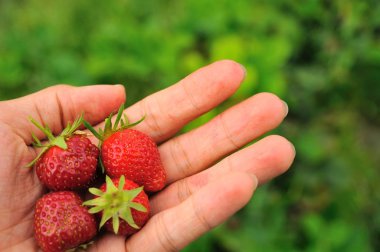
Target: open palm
209	176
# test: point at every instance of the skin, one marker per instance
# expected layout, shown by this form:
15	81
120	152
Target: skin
204	166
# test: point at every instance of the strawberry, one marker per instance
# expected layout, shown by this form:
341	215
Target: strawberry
123	201
61	222
131	153
68	161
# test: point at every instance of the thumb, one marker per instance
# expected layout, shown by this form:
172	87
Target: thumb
57	105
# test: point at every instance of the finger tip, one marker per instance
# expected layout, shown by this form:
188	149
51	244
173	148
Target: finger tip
280	160
98	101
272	107
244	184
254	179
120	87
119	90
233	69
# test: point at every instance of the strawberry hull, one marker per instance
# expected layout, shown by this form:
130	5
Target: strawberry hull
140	218
121	204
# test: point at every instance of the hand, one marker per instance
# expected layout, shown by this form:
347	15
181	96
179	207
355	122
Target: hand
194	200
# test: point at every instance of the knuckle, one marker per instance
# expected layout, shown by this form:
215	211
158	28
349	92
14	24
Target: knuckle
152	118
227	132
183	190
189	96
200	218
165	239
180	157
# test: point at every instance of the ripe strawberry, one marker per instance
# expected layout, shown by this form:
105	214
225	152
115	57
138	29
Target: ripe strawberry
130	153
61	222
68	162
133	154
124	202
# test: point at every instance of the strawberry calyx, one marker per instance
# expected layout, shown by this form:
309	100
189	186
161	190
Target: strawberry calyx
59	140
121	123
115	203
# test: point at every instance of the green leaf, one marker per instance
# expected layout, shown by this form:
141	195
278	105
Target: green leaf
119	114
66	130
76	124
129	125
126	215
100	160
121	183
36	140
126	120
71	128
49	133
122	124
45	129
107	214
131	194
108	124
60	142
101	132
96	209
38	157
95	202
96	191
110	185
93	131
137	206
115	223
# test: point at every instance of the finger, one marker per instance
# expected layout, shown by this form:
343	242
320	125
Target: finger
266	159
169	110
109	243
57	105
173	229
198	149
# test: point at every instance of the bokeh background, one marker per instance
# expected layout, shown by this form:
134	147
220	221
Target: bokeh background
322	57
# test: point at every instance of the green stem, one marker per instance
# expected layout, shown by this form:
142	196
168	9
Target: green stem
93	131
119	114
44	149
46	131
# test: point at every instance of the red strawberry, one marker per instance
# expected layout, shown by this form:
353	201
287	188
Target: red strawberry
130	153
68	162
124	202
61	222
133	154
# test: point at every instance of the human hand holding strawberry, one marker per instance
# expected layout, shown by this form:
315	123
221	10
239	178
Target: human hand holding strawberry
194	200
19	186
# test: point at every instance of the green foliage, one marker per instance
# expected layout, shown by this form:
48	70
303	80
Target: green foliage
322	57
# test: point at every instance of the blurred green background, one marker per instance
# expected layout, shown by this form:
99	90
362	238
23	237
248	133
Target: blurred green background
322	57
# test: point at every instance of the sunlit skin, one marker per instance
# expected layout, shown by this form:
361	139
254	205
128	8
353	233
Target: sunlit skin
204	166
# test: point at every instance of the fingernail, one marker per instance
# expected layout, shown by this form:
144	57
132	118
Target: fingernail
286	108
294	149
119	86
244	70
254	178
